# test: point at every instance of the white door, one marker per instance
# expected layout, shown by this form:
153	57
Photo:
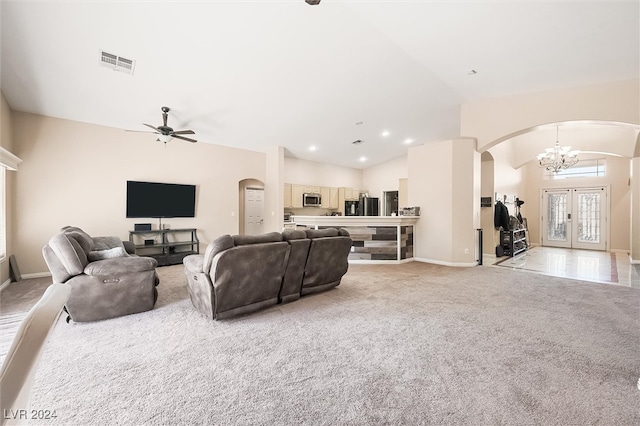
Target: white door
589	218
575	218
253	211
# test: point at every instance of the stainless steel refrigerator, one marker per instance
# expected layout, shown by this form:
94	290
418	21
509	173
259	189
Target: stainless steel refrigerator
369	206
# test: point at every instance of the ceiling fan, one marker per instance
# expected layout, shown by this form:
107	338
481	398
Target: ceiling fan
166	133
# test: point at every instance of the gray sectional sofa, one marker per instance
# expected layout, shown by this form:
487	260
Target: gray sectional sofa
106	279
244	273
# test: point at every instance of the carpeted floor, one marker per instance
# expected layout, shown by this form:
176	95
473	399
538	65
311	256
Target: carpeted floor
393	344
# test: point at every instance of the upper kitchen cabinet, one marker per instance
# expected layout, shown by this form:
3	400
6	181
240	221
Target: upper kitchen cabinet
296	195
287	196
333	198
325	197
329	197
351	194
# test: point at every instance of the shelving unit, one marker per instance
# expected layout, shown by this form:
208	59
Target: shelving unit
510	240
167	246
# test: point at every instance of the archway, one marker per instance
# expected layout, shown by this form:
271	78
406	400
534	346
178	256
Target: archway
516	171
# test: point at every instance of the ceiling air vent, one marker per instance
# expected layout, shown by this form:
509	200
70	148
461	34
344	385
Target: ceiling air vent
116	63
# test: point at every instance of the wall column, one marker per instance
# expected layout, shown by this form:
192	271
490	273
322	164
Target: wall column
635	210
444	182
274	190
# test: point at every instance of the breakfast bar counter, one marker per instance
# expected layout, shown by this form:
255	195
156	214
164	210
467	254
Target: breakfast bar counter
376	239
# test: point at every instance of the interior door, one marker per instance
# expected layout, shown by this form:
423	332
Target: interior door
253	211
575	218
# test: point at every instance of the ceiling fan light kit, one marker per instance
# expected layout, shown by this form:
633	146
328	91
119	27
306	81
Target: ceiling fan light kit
166	133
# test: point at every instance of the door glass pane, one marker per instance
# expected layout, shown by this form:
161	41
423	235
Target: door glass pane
557	217
588	217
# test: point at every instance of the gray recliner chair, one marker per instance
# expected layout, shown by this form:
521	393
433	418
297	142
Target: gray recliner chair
237	275
327	261
106	281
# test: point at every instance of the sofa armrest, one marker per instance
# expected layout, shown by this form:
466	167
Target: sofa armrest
120	266
194	263
129	247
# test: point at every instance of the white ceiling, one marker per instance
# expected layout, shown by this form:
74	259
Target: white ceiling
253	74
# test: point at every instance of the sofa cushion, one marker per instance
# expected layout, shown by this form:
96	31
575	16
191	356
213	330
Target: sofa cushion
293	234
106	254
106	243
120	266
343	232
320	233
69	252
271	237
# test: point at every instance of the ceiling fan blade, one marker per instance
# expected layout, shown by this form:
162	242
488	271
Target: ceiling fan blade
184	132
149	125
184	139
138	131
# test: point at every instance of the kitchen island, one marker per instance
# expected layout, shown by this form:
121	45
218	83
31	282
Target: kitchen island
376	239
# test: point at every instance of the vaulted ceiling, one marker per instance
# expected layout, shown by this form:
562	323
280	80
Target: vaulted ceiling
251	74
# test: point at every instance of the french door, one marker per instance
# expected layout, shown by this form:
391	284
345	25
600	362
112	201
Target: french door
575	218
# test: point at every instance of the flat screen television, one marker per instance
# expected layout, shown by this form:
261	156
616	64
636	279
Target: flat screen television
155	199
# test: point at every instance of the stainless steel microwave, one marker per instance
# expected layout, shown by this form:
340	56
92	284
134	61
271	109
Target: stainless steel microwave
311	200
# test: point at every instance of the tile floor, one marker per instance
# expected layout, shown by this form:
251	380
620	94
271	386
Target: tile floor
587	265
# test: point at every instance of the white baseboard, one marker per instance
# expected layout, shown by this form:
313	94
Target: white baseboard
379	262
441	262
5	284
36	275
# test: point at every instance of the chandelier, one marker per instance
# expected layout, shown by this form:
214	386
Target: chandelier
557	158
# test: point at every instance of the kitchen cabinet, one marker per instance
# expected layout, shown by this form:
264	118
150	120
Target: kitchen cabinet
333	198
309	189
296	195
287	196
325	194
351	194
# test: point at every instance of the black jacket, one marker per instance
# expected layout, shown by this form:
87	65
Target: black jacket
501	216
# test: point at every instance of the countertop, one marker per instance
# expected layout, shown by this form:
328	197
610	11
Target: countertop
354	220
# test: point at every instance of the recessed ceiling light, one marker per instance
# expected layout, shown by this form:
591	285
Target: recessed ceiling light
312	148
385	133
408	141
362	159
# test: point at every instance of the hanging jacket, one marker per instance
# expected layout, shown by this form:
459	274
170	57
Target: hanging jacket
501	216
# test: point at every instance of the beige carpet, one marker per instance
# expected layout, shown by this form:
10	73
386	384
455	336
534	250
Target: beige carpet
398	344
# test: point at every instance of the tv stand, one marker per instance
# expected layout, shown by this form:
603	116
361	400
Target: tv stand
167	246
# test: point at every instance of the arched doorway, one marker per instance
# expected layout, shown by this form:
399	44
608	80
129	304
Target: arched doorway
516	170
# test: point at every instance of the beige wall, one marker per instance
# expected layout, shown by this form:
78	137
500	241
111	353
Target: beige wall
313	173
6	141
384	177
496	119
75	174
